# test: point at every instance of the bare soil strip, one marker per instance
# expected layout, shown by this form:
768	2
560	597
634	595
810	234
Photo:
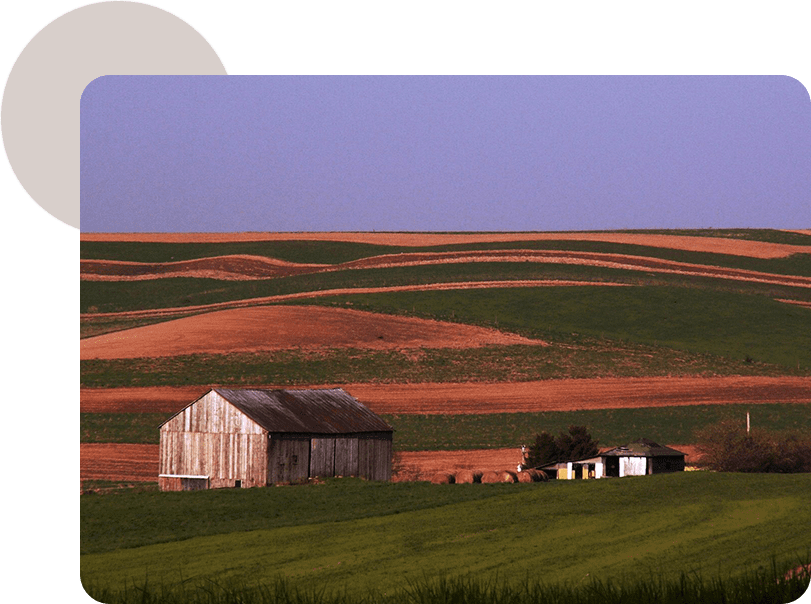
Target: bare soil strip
229	268
797	302
160	312
139	463
289	327
508	397
256	267
115	461
753	249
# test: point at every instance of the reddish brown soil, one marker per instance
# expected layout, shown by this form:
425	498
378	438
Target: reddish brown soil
234	267
515	397
139	463
119	462
569	395
754	249
289	327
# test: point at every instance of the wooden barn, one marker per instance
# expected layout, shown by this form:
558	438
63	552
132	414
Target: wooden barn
638	458
251	438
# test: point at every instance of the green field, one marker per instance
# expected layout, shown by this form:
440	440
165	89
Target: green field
611	427
726	324
353	535
171	292
578	358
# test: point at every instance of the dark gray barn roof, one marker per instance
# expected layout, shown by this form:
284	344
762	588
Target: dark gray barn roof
328	411
641	448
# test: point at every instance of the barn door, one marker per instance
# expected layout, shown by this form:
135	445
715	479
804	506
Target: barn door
322	457
288	459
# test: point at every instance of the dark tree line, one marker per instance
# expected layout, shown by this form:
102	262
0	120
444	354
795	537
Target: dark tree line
728	447
567	446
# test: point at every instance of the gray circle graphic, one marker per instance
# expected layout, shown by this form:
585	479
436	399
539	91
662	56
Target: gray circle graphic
40	110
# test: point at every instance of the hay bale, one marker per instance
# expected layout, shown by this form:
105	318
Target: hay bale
442	478
498	476
464	477
490	477
532	475
525	476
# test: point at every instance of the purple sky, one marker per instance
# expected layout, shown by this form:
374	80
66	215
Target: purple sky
444	153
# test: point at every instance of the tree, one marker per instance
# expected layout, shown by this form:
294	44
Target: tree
543	451
579	442
576	444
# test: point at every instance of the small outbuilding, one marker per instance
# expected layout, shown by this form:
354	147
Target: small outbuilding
249	438
638	458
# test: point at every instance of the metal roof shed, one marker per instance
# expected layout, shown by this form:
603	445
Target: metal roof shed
638	458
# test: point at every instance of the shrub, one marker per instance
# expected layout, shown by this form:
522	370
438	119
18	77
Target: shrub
727	447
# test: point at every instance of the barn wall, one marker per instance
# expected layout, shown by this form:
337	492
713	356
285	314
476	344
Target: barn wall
364	455
374	456
212	438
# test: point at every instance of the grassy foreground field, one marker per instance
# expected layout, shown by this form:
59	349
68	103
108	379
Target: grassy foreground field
356	536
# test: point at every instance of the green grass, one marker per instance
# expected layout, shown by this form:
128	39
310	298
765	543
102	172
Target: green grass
356	536
116	296
610	427
134	428
570	357
97	326
762	584
726	324
666	425
310	252
336	252
129	519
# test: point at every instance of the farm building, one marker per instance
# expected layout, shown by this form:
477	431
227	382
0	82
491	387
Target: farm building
249	438
635	459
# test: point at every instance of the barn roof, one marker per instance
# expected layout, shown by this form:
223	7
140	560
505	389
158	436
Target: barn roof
325	411
641	448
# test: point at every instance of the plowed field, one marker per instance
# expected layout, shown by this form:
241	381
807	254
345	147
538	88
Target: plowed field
119	462
516	397
288	327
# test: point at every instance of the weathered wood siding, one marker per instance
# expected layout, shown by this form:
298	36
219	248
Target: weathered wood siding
212	438
346	456
288	458
322	456
364	455
374	456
